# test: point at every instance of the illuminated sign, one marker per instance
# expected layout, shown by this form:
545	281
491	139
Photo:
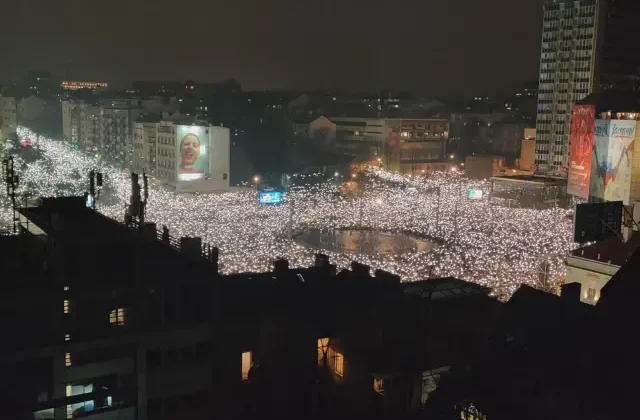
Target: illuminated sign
269	197
192	152
475	194
612	160
581	148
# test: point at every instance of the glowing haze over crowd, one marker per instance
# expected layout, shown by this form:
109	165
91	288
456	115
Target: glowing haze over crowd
491	245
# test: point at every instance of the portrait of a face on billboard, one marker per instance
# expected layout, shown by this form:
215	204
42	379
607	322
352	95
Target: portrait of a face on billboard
193	152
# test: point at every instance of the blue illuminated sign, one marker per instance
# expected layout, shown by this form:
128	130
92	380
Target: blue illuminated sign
270	197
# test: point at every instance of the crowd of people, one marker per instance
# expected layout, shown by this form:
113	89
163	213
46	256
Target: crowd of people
492	245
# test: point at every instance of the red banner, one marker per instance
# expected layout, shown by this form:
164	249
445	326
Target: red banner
582	125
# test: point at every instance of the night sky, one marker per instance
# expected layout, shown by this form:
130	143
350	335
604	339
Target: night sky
438	47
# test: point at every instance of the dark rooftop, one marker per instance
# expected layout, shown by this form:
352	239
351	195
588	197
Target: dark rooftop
611	250
444	288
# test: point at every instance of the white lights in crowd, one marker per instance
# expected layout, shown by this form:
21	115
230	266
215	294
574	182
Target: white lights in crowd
491	245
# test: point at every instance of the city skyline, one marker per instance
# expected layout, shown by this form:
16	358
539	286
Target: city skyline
437	48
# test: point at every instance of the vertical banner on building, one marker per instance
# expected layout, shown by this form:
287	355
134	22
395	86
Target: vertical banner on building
580	153
599	162
620	160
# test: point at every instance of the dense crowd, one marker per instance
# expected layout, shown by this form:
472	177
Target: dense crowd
484	243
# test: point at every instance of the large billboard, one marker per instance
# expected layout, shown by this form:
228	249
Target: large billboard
582	127
612	160
621	142
192	152
599	158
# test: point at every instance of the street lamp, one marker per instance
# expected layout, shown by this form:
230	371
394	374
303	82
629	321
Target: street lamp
451	156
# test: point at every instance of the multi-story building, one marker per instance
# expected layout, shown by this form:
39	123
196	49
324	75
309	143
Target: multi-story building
409	145
8	117
107	128
69	121
81	124
567	74
184	154
587	45
145	147
117	118
527	150
77	85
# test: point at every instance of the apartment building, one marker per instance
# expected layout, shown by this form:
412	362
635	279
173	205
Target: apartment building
106	128
8	117
117	324
76	85
159	148
408	145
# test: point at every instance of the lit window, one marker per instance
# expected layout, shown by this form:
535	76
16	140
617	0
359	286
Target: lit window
246	365
323	345
117	316
470	412
378	385
67	359
336	362
67	306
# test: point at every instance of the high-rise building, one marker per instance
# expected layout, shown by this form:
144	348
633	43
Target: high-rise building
587	46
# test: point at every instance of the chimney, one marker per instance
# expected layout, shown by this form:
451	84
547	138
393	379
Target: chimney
385	276
322	261
360	269
571	292
149	231
281	268
191	246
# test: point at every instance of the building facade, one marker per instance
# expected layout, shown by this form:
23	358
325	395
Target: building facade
117	119
587	46
528	150
77	85
160	148
408	145
8	117
592	266
571	33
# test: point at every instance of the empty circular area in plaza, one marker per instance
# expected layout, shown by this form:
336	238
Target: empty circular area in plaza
365	241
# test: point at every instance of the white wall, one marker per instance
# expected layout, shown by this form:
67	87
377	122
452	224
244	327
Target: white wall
589	278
